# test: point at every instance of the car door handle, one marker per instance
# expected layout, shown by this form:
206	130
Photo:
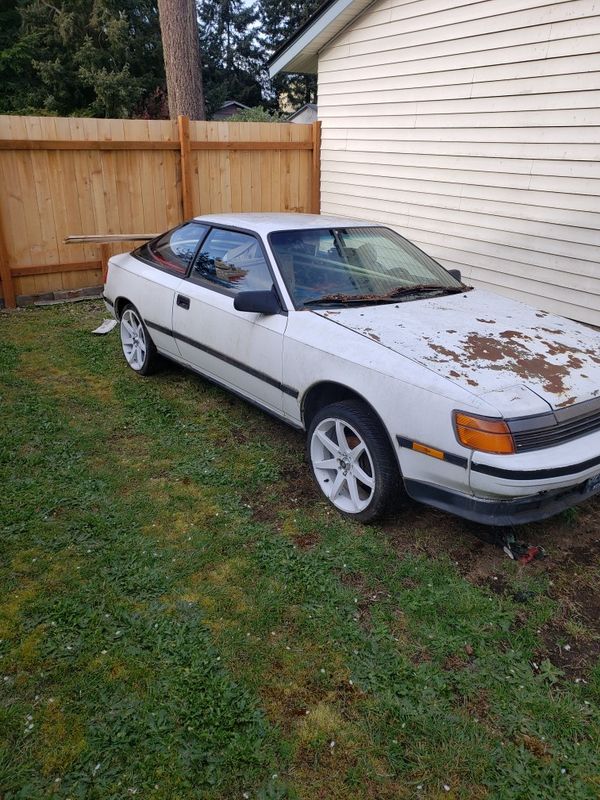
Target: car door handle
183	301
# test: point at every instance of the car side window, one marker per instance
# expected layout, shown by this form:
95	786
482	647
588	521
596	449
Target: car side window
175	250
232	260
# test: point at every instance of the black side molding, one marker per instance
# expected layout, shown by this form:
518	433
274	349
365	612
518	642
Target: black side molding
262	376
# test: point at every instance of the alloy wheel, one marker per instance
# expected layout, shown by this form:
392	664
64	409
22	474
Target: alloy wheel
342	465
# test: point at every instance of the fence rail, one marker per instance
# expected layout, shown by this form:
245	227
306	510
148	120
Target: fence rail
64	177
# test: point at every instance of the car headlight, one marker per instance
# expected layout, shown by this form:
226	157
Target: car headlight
486	434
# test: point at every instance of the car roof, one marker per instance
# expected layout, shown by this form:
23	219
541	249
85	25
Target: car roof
265	223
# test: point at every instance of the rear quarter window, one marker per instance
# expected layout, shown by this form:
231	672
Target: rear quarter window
174	251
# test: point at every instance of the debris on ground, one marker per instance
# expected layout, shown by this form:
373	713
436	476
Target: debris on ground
521	551
106	327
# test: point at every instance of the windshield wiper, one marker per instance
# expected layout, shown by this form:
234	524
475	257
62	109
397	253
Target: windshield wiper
425	288
388	297
348	298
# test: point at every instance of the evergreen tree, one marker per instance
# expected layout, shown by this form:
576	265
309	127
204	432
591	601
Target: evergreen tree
98	58
233	62
280	19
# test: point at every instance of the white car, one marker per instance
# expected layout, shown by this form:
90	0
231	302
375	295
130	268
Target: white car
404	378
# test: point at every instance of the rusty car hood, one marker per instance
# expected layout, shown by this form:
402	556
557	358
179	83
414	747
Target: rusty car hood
486	343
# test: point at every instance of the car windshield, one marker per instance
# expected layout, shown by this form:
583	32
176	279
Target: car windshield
361	265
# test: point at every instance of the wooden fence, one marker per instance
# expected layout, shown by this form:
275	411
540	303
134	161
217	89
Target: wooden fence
60	177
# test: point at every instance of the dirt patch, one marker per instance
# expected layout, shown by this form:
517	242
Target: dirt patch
572	570
574	656
306	541
455	662
366	596
295	487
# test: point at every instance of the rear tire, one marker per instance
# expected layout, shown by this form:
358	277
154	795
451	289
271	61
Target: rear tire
138	347
351	460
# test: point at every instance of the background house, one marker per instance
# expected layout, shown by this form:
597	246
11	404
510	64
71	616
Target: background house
473	129
229	109
306	113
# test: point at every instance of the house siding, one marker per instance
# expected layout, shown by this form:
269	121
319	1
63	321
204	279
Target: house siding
474	130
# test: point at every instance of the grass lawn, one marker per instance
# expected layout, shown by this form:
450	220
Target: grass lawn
182	617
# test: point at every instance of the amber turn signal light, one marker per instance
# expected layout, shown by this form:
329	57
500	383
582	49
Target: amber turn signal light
484	434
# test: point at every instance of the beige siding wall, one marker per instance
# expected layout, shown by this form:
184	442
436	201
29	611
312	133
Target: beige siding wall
474	129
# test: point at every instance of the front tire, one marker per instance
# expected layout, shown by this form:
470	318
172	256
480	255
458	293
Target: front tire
351	460
138	348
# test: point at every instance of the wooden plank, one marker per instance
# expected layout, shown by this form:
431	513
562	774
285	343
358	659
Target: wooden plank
43	184
8	287
102	238
213	200
315	187
251	145
73	144
299	189
285	173
143	163
266	173
233	158
28	249
13	217
53	269
199	171
183	124
135	129
246	159
166	181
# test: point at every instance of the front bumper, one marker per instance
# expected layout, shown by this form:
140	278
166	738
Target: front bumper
516	511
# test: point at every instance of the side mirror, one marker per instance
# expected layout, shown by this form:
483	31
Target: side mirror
455	274
257	302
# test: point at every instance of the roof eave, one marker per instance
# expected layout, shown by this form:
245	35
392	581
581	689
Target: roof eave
301	52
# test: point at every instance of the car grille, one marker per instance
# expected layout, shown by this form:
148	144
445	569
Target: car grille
549	430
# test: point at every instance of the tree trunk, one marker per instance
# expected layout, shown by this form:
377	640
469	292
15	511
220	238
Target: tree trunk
179	30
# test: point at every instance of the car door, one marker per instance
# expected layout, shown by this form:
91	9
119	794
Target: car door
161	264
241	350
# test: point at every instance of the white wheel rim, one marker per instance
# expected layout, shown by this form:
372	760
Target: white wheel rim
342	465
133	339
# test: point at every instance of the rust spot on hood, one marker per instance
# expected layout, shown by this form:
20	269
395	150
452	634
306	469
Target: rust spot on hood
372	335
552	376
518	359
569	402
487	348
443	351
514	335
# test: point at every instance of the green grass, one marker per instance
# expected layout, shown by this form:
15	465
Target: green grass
181	617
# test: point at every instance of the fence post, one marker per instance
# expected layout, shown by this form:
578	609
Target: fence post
183	124
104	256
8	287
